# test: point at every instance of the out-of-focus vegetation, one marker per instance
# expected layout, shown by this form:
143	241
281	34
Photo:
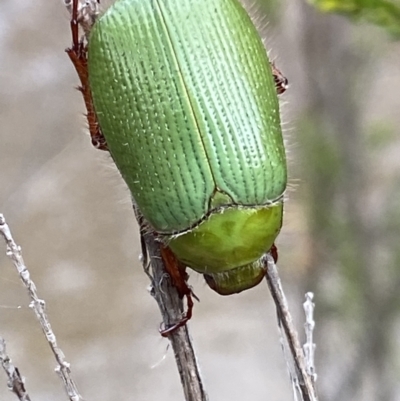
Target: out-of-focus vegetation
381	12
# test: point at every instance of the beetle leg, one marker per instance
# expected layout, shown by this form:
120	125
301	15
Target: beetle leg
281	82
274	253
78	55
183	321
179	278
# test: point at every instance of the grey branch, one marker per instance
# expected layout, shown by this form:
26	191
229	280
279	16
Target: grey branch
301	380
38	306
88	11
309	346
15	380
171	307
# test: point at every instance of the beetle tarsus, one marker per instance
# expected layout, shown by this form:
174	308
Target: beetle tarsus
78	56
188	315
274	253
98	141
179	279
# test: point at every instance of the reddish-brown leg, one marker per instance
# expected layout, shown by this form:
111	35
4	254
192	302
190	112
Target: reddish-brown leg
281	82
179	278
274	253
78	55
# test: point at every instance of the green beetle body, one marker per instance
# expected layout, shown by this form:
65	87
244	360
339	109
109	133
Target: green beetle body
185	97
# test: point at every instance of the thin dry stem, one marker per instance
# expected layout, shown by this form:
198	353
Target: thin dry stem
88	11
38	306
15	380
171	308
309	346
301	380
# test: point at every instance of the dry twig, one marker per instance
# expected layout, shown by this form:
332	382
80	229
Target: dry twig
301	380
38	306
88	11
15	380
171	308
309	346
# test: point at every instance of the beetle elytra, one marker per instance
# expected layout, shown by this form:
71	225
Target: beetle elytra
186	99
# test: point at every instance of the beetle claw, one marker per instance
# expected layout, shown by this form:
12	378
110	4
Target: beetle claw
179	278
281	82
171	329
274	252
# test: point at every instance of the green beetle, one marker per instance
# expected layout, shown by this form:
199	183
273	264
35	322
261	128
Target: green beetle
185	97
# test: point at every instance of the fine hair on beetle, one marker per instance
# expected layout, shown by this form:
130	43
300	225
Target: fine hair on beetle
260	21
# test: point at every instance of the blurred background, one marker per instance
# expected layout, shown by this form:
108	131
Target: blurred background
70	212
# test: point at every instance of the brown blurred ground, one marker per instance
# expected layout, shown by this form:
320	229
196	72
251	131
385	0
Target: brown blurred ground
71	213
